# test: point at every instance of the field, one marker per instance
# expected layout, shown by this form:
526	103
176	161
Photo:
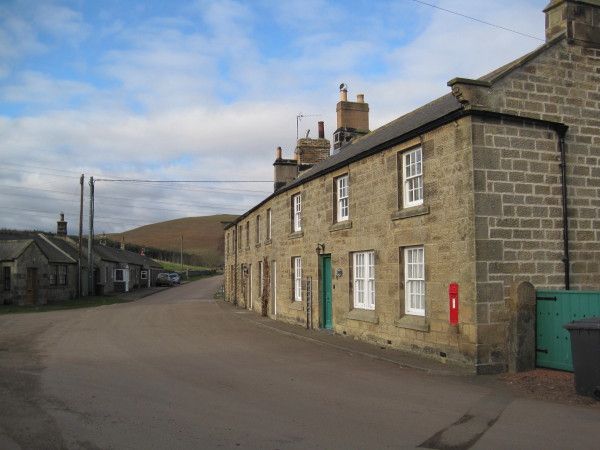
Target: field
202	236
176	267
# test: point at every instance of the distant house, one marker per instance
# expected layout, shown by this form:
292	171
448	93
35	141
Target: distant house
36	271
41	268
119	270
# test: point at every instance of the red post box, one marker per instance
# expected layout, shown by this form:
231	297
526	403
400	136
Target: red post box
453	303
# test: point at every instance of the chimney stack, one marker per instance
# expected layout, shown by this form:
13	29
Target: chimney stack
61	226
578	19
311	151
285	170
352	119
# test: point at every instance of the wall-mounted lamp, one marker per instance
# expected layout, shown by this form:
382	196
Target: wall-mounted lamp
320	248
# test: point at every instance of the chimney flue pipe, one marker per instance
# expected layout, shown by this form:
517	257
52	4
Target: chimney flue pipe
321	130
278	153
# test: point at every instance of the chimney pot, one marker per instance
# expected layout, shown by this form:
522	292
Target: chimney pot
321	130
278	153
61	226
360	98
344	95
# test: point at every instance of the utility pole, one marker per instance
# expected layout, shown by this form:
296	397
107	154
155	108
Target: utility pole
90	241
79	250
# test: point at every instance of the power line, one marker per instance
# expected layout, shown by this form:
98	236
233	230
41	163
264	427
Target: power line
103	197
250	192
104	219
41	173
478	20
181	181
191	207
4	163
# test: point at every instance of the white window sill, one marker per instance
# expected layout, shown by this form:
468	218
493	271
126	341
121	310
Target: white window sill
413	211
418	323
296	234
345	225
363	315
297	305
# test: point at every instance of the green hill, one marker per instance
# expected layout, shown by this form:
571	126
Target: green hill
202	237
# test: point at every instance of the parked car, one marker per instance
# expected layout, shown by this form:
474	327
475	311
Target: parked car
164	279
175	278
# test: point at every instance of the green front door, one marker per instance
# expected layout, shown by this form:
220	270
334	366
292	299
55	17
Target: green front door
326	310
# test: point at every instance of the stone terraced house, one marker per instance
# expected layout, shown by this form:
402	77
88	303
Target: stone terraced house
494	184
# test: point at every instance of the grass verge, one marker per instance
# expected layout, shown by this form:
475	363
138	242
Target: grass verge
84	302
176	267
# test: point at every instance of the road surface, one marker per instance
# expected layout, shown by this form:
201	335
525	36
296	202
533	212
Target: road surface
181	370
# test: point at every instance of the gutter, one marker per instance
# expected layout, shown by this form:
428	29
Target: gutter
443	120
565	212
235	267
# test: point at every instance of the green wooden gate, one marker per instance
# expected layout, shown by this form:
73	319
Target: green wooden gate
555	309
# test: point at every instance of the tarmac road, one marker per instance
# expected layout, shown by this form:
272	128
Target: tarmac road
181	370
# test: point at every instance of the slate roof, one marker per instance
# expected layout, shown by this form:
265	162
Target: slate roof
399	129
51	252
384	137
123	256
71	249
12	249
378	138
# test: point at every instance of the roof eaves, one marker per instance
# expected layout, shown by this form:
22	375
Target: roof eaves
459	112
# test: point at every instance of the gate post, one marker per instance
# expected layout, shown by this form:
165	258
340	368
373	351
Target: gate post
521	345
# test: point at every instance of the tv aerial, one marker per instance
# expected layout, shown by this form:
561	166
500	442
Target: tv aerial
299	117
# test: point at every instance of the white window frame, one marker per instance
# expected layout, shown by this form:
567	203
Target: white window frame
122	271
343	204
412	175
414	281
269	216
363	280
144	275
297	212
297	261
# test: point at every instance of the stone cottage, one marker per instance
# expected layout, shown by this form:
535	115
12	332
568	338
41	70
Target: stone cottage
36	271
415	235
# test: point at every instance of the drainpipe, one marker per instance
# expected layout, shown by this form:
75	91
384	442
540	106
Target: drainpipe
235	267
565	216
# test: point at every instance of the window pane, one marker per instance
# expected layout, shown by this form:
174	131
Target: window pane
414	280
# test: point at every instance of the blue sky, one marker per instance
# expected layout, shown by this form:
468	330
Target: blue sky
208	90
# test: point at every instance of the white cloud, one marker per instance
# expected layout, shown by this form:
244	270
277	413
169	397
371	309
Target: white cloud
60	21
194	97
36	88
